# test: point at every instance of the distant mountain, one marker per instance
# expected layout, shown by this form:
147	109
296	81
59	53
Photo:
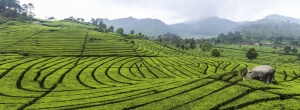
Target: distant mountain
150	27
154	27
283	18
211	26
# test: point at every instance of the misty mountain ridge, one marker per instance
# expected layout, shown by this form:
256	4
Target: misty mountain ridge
283	18
211	26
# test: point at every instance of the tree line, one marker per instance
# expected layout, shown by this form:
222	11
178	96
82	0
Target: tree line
12	9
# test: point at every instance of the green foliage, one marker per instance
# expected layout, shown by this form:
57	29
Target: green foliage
294	50
295	43
71	18
46	67
110	29
216	53
230	37
131	31
287	49
12	10
274	31
120	31
251	54
192	44
206	46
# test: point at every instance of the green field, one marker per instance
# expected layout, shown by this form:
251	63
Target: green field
56	65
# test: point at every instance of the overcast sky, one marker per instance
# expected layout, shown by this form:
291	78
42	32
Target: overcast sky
169	11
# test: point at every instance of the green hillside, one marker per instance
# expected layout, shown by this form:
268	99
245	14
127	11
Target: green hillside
67	65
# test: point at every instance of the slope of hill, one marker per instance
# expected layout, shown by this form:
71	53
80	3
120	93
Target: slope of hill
70	39
66	65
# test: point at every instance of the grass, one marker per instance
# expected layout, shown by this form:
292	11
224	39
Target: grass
55	65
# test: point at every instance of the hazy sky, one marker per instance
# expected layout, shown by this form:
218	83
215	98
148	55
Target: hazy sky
169	11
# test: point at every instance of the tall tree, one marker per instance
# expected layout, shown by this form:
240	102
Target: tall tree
187	41
287	49
25	9
192	44
30	11
93	21
10	8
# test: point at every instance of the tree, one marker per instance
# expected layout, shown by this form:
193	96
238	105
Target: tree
251	54
287	49
187	41
25	9
93	21
215	53
132	42
120	31
294	50
192	44
82	20
132	32
30	8
206	46
260	44
51	18
10	8
110	29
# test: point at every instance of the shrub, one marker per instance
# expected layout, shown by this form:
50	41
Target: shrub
25	54
251	54
215	53
294	50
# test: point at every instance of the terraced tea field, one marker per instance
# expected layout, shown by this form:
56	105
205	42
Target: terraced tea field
44	67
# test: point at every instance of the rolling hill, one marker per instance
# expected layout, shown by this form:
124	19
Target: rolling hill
67	65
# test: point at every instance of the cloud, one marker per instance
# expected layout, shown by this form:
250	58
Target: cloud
169	11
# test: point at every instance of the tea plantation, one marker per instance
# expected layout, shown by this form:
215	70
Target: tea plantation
64	65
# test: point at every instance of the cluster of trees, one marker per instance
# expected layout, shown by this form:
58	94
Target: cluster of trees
186	44
50	18
231	37
272	29
174	39
289	49
139	35
241	37
295	43
13	9
71	18
103	28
